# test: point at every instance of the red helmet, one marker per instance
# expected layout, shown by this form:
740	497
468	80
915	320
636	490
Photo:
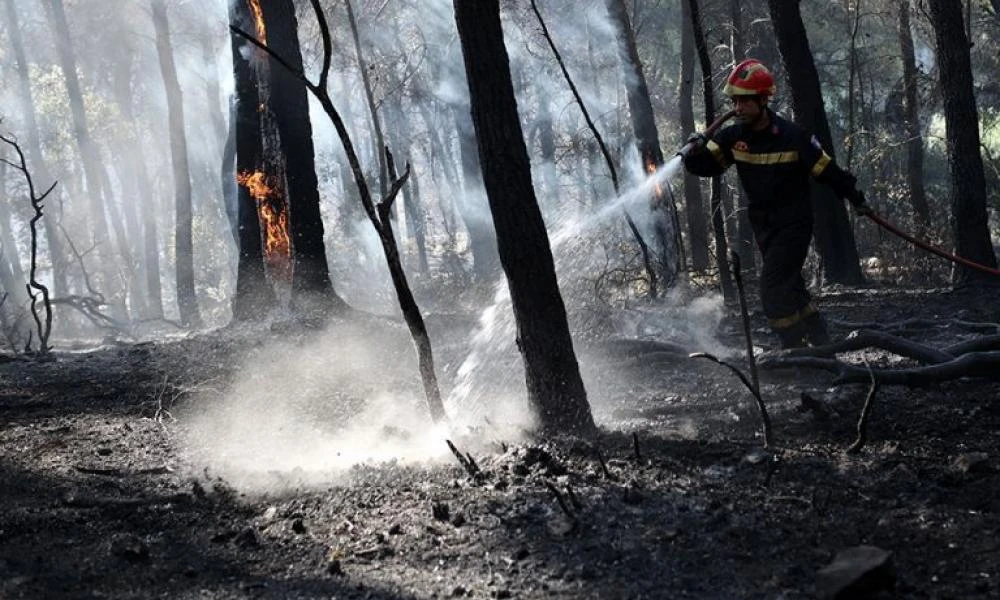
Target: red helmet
750	78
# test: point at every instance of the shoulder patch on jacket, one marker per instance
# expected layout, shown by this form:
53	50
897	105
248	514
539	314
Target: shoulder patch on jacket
741	146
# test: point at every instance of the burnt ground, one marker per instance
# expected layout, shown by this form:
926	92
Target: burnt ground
100	497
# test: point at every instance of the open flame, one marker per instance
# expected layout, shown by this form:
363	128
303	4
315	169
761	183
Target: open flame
274	222
651	168
258	19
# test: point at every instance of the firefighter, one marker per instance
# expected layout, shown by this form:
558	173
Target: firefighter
774	159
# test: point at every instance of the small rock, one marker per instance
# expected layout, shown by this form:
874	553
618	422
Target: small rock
458	520
104	451
856	572
458	591
440	511
334	567
395	529
248	539
298	526
131	548
972	462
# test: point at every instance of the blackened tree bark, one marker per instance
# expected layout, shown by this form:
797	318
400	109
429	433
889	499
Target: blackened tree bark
718	219
697	225
743	242
555	388
911	122
968	179
57	254
312	289
187	302
832	231
647	139
254	295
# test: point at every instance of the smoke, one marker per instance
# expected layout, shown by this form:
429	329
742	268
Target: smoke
302	414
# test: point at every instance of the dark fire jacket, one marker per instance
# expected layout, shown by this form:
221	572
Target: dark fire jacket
774	166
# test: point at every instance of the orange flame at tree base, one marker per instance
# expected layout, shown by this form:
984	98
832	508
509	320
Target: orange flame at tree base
274	223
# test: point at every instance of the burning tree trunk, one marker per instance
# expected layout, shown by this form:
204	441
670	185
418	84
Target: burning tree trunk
696	224
718	219
377	214
555	389
187	301
968	178
647	141
254	295
911	120
312	289
833	233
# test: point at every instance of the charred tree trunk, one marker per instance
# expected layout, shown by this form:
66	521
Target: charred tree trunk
254	295
968	178
718	219
647	140
187	301
697	225
833	233
743	244
911	122
312	290
555	388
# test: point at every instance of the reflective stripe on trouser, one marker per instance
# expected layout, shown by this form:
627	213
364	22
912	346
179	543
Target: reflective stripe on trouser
783	293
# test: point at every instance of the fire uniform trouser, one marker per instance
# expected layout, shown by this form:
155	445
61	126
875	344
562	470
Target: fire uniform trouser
786	301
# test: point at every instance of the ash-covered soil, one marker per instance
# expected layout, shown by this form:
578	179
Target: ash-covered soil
105	492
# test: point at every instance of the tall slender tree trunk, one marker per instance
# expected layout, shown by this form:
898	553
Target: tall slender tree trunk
968	178
718	219
911	122
312	289
53	238
90	157
743	244
187	301
832	231
472	205
555	388
254	296
647	140
697	224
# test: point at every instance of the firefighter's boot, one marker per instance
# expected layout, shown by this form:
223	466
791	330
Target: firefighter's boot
816	331
793	336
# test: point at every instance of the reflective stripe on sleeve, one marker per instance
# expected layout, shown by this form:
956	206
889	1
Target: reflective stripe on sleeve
717	152
820	165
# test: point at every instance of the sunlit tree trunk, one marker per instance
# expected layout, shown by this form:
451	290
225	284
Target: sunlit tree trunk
968	178
833	234
187	302
33	146
110	284
911	122
555	388
697	225
312	289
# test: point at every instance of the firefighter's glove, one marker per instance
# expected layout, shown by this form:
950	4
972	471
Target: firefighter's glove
861	207
695	144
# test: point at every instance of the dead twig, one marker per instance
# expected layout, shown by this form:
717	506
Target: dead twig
466	461
562	503
866	413
765	419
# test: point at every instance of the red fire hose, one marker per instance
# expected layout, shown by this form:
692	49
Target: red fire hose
707	133
928	247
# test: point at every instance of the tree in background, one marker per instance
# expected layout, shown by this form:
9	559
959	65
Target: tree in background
555	388
968	179
187	300
833	234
